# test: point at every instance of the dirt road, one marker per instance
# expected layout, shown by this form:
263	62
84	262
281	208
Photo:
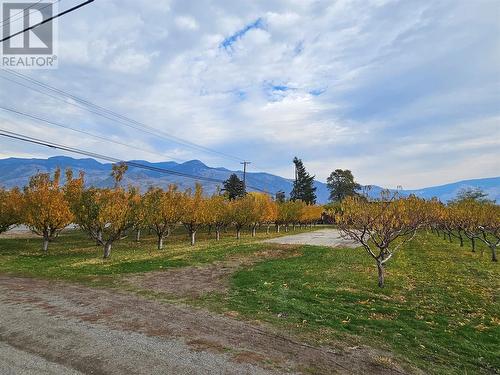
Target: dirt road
48	327
322	237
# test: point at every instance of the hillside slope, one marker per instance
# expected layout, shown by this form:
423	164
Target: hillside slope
16	172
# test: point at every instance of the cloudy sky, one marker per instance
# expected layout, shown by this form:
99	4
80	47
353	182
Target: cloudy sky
400	92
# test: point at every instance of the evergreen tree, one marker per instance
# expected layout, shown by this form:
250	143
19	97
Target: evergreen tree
341	184
234	187
303	186
280	196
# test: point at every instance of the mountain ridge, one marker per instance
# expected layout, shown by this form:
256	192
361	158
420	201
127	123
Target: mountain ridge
16	172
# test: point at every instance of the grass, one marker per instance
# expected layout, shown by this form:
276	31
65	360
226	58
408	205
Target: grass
439	310
74	257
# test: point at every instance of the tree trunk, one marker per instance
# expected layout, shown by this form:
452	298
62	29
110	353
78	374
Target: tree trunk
293	227
238	233
217	234
254	229
473	244
107	250
98	241
380	267
277	228
449	237
286	228
267	229
45	246
193	237
138	235
461	239
209	230
160	242
493	253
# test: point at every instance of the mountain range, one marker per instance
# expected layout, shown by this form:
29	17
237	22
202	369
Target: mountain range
16	172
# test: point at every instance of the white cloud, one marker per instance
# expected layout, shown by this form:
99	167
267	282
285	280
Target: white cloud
186	23
402	93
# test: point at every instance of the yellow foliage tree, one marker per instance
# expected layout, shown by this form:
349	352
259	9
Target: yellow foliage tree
480	220
381	227
242	212
194	212
163	210
139	212
10	208
310	214
264	211
218	213
45	208
268	210
289	212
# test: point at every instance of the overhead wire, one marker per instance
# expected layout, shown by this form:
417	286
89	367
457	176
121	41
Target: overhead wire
53	145
37	118
50	19
109	114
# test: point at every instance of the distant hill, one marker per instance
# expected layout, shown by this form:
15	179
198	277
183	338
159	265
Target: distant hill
16	172
491	186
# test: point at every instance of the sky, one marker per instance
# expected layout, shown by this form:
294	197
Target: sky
403	93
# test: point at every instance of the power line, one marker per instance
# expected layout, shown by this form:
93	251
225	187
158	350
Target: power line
47	20
33	117
37	141
109	114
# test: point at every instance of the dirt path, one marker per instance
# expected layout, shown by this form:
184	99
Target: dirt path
322	237
73	328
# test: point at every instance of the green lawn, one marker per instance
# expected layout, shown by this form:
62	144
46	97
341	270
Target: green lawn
73	256
439	309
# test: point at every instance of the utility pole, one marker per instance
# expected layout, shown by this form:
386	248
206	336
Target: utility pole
245	163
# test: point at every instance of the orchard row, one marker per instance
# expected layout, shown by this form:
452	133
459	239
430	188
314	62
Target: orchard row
383	226
107	215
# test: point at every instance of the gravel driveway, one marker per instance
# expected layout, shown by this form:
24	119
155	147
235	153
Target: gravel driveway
49	327
322	237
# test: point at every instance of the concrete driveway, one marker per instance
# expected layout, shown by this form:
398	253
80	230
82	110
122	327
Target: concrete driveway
322	237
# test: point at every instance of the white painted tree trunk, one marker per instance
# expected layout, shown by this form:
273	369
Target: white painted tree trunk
45	245
107	250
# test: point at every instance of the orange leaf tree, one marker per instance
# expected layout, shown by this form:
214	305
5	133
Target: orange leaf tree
310	214
139	212
268	210
480	220
194	211
263	210
289	212
45	208
381	227
218	213
242	212
10	208
163	210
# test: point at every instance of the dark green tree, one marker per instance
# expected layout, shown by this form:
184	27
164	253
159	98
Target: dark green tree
341	184
303	186
234	187
280	196
472	194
